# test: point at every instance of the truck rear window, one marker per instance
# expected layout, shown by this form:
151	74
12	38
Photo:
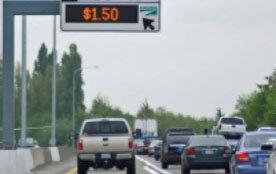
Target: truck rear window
105	127
236	121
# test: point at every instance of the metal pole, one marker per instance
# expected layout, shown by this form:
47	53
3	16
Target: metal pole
73	107
8	78
53	139
23	89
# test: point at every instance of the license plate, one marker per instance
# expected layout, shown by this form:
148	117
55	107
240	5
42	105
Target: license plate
105	156
209	152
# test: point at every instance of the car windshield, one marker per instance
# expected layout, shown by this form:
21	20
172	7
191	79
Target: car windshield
105	127
208	141
258	140
236	121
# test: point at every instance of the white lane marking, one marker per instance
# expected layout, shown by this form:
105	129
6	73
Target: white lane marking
150	170
147	163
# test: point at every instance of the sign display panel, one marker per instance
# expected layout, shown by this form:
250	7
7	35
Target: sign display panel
140	16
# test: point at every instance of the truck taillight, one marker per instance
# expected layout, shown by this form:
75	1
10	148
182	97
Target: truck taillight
80	145
130	143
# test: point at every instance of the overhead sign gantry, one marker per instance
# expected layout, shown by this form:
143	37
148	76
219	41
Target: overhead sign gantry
110	15
76	15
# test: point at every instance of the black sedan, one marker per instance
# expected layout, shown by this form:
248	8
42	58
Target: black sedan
206	152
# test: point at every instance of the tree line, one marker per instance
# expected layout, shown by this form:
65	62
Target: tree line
259	107
39	101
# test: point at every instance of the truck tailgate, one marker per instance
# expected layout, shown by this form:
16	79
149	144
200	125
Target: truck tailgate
233	128
106	144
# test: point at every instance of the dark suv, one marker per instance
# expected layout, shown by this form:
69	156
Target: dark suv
174	141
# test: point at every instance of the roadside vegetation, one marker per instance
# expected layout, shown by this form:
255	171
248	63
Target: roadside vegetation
258	108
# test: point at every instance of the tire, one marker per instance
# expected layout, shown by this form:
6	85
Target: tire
131	168
164	165
227	170
82	167
186	171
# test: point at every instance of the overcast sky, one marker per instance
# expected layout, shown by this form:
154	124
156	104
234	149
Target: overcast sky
207	54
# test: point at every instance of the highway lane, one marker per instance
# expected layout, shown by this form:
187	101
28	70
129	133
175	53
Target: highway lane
176	169
144	165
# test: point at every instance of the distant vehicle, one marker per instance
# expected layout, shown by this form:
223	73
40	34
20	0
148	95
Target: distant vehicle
206	152
266	129
105	143
147	141
249	156
174	141
153	143
139	146
147	127
230	126
157	151
30	143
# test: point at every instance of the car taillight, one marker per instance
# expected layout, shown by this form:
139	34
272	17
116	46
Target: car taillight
191	151
226	149
220	126
242	157
80	145
130	143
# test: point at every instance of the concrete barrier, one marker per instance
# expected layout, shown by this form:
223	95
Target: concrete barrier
66	153
22	161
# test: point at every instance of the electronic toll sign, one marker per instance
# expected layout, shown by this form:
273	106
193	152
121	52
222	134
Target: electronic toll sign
136	16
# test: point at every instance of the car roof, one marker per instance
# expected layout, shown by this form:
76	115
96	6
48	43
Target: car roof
104	119
260	133
231	117
207	136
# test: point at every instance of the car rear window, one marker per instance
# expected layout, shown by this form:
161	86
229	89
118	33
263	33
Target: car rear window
105	127
258	140
208	141
236	121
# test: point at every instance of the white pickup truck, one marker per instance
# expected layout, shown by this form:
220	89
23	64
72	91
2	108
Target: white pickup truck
105	143
230	126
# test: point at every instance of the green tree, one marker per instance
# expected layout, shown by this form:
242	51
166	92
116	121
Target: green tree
70	62
43	60
145	111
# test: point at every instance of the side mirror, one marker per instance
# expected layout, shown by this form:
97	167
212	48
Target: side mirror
267	147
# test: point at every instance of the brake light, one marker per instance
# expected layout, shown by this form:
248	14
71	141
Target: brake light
220	126
226	149
242	157
80	145
191	151
130	143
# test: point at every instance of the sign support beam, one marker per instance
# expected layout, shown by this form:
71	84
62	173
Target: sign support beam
11	8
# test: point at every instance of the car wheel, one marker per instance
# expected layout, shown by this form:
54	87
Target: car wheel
164	165
82	167
186	171
131	168
227	170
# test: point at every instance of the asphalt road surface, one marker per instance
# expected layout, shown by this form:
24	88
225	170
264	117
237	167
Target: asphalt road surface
144	165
